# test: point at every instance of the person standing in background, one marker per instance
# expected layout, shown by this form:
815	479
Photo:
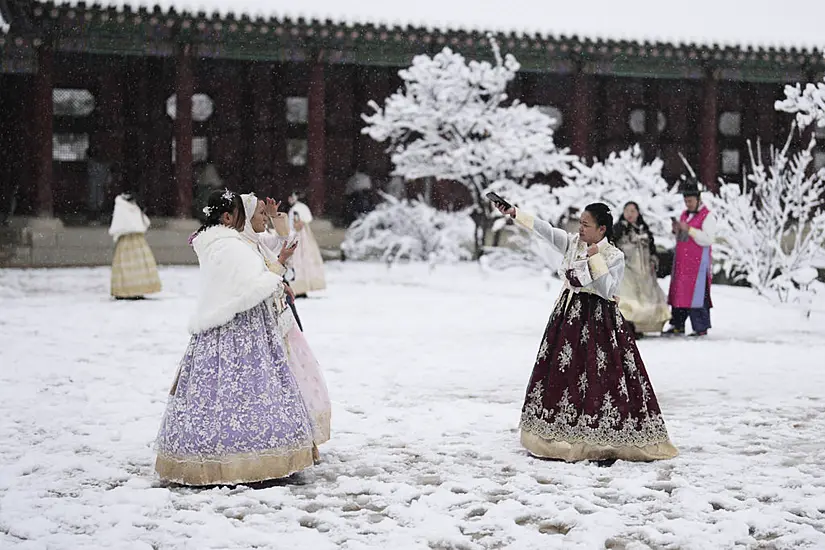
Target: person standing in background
691	278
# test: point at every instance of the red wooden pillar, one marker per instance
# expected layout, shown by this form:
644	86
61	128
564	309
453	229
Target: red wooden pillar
316	138
184	88
582	115
42	128
708	147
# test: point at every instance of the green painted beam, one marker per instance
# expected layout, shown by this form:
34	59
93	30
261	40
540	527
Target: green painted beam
155	33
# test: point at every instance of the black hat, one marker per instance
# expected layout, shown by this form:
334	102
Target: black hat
690	188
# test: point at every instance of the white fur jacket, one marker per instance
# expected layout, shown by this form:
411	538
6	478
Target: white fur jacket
234	278
127	218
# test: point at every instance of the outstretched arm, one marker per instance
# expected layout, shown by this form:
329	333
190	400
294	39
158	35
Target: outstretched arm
557	238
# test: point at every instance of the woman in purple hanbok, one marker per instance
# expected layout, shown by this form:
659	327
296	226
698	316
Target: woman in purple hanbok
235	413
589	397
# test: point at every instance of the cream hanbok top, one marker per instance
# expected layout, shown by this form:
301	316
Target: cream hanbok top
600	274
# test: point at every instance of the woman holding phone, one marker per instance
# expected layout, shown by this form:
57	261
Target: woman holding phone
302	361
589	396
235	412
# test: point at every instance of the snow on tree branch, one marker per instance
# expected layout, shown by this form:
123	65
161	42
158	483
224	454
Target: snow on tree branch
772	227
451	121
808	105
410	230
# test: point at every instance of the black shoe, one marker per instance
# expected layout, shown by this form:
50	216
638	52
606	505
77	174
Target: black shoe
639	335
674	331
698	334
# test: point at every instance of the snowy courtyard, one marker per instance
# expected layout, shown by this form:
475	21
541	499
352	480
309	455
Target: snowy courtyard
427	372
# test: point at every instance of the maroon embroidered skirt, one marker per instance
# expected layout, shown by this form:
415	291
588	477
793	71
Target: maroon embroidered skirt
589	396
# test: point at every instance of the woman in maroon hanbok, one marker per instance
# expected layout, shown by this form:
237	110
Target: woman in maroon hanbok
589	396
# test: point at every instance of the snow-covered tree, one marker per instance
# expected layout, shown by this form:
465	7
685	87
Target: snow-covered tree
410	230
808	105
772	227
624	177
452	121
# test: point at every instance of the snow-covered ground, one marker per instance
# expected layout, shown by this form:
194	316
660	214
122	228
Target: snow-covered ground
427	374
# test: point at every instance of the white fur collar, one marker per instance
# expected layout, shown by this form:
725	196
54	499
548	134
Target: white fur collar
234	278
211	234
127	218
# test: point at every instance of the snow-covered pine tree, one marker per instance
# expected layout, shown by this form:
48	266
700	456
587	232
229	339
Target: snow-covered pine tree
452	121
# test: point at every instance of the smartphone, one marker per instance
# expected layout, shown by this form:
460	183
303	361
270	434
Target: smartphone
493	197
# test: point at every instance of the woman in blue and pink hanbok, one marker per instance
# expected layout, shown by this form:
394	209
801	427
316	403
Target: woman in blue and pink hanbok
235	412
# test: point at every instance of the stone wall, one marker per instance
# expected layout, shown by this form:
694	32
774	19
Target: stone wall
37	242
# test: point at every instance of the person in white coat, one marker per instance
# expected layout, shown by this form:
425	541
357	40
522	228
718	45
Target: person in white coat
307	262
134	270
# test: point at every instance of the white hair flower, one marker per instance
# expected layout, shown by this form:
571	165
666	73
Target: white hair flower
207	210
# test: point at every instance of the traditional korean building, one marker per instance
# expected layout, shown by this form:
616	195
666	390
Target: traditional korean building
272	101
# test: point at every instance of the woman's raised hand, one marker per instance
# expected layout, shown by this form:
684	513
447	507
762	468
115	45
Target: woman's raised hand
272	207
507	211
286	252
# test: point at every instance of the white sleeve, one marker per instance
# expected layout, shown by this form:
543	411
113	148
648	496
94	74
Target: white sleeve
558	238
605	274
706	235
272	241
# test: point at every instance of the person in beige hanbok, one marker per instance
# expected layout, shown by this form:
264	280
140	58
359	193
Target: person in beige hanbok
641	299
134	270
307	261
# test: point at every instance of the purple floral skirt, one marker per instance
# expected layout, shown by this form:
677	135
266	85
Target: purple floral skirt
235	412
